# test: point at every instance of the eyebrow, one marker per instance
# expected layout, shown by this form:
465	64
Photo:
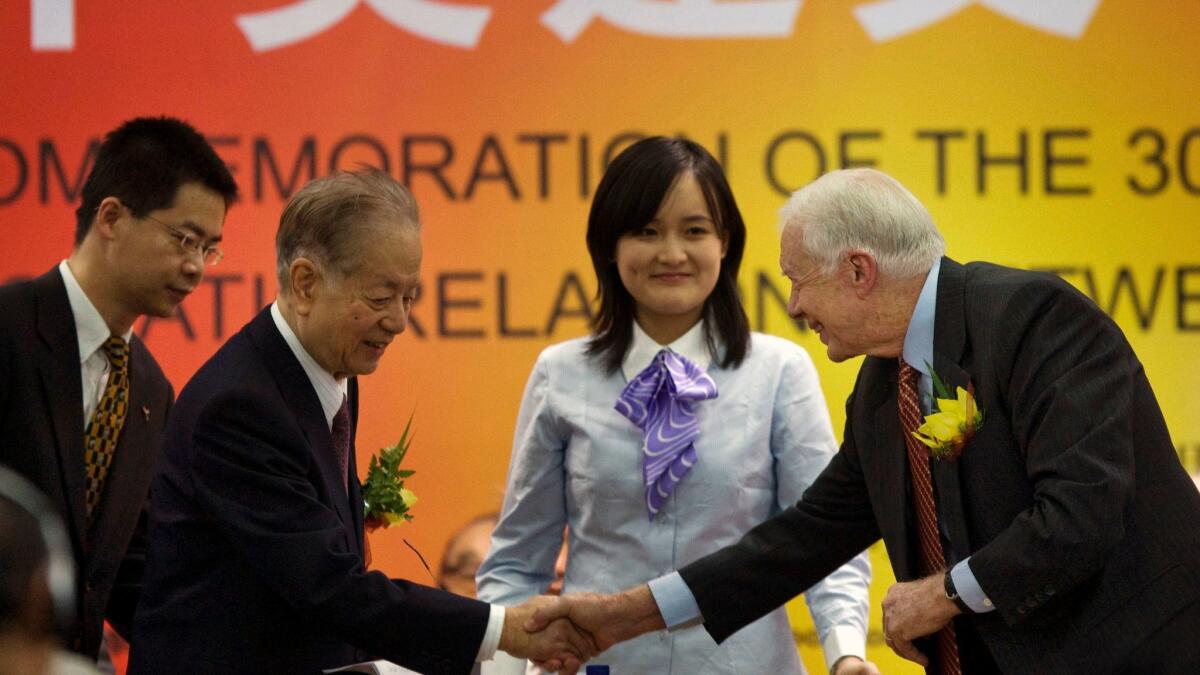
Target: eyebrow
196	230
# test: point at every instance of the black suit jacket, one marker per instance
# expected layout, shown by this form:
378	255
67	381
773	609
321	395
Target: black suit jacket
255	561
41	436
1078	518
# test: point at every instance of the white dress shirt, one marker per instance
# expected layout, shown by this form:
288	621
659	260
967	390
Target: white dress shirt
577	462
331	392
92	332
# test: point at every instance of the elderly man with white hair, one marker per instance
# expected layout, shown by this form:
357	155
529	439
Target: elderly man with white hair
1001	438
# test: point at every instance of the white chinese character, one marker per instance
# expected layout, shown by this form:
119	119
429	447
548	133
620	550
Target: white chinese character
678	19
454	25
889	19
52	25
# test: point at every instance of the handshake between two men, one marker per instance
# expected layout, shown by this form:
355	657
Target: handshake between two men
560	633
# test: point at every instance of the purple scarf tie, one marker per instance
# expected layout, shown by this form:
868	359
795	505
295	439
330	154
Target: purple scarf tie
661	401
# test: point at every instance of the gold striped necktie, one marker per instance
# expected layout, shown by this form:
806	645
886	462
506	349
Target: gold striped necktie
100	439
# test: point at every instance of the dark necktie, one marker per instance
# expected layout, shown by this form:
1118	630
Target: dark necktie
341	440
100	437
927	529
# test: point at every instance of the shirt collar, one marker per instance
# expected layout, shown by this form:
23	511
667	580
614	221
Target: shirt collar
330	390
691	346
90	328
918	342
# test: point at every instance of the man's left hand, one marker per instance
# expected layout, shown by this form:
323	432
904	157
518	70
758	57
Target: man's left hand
852	665
915	609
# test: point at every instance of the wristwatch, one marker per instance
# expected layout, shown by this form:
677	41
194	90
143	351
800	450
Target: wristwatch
952	593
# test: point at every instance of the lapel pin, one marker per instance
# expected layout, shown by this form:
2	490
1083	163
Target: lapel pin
146	413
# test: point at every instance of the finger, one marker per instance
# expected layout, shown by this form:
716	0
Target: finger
908	650
872	669
582	645
593	642
570	663
545	614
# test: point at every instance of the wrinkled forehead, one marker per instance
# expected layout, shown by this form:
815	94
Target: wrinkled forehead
791	247
390	257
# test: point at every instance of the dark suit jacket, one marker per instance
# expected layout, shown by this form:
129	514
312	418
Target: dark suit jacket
41	436
255	561
1078	517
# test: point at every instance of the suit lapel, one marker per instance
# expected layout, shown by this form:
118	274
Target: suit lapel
62	393
301	399
949	344
355	489
892	481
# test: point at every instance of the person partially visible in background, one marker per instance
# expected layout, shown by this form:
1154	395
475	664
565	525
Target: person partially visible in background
464	554
469	546
36	584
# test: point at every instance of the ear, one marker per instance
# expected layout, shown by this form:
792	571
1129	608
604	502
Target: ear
107	214
724	244
862	272
304	285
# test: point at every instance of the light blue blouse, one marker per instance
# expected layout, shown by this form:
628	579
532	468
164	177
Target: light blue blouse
577	462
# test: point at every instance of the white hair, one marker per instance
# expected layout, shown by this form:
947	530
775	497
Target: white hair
864	209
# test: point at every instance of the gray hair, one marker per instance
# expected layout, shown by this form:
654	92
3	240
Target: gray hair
331	219
864	209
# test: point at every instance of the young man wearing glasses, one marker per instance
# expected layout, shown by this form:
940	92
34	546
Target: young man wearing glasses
82	401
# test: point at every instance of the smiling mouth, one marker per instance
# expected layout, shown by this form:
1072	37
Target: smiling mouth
376	345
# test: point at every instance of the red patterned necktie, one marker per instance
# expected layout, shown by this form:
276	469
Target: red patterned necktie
100	437
341	440
927	529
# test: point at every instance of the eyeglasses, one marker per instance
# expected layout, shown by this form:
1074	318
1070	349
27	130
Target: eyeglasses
191	244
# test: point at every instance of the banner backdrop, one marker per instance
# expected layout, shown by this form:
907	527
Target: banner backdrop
1061	136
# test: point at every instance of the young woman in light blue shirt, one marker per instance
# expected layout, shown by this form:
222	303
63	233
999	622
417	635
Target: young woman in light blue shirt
666	240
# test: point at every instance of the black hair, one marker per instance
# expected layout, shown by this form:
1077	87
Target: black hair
144	162
627	199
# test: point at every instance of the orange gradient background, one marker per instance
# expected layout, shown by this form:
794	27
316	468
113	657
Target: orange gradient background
977	71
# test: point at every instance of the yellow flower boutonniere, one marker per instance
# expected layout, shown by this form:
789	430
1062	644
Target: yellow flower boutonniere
385	499
956	420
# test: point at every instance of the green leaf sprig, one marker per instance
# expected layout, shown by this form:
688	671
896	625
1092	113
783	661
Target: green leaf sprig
386	501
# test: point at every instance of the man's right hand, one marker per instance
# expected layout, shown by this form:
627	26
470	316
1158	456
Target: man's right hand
557	643
607	619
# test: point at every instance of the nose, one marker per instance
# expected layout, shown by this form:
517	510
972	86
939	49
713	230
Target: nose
395	319
672	251
193	264
793	306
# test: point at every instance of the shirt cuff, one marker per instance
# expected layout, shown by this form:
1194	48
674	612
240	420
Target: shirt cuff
969	589
843	641
491	636
675	601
